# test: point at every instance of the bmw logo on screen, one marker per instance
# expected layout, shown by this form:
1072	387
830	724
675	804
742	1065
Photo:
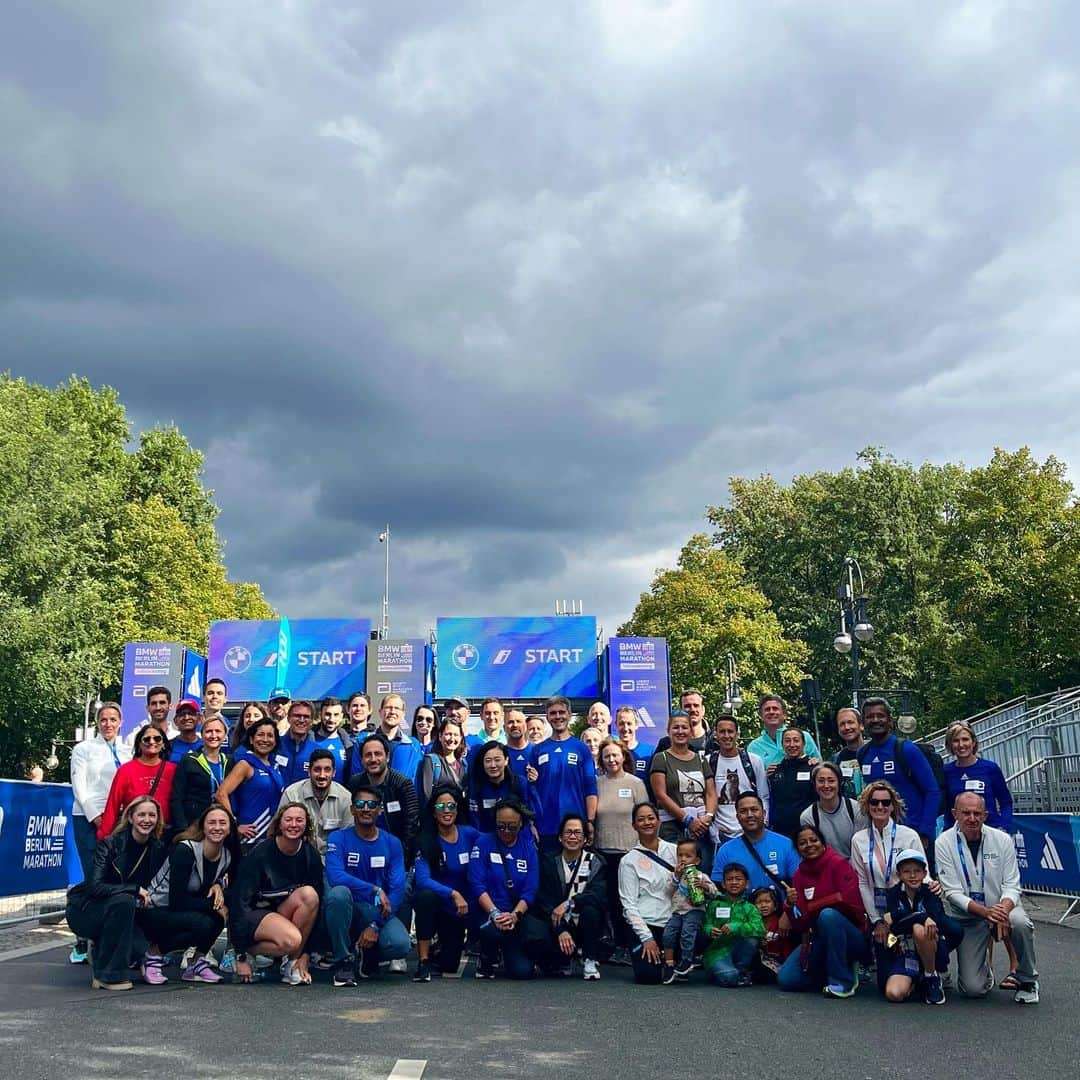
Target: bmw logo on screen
237	659
465	656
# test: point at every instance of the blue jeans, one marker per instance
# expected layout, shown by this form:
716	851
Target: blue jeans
517	964
725	969
346	919
85	842
838	944
682	930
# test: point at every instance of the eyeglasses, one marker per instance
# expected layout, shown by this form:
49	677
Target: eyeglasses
573	832
507	826
442	807
880	802
367	804
151	740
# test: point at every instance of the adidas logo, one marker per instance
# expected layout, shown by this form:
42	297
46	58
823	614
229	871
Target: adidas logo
1050	860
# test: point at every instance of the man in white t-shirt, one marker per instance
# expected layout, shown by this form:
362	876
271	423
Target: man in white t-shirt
735	770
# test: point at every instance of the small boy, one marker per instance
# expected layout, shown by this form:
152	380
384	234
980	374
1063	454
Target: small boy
777	945
920	932
690	890
733	928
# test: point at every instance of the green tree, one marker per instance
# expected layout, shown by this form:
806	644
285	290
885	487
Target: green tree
706	608
98	546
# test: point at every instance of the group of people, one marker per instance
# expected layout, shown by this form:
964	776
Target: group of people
328	844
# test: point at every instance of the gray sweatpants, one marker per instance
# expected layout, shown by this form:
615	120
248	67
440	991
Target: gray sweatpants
973	961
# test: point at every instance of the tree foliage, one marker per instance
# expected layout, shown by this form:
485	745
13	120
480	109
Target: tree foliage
99	545
707	608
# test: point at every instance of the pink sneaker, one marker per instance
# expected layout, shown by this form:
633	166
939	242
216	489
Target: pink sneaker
152	972
200	971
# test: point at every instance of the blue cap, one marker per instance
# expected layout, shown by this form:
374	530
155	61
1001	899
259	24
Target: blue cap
910	855
280	693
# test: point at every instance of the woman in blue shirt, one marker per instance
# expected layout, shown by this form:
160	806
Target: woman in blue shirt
252	788
442	904
970	773
491	779
504	872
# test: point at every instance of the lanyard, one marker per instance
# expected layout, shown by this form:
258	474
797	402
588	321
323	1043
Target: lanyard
888	862
963	865
115	755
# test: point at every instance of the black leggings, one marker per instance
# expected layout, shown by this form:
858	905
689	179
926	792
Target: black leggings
543	940
432	919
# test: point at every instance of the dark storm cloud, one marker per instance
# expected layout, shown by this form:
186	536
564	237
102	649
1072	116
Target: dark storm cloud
529	282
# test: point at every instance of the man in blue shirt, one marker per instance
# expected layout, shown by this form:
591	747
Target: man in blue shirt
405	751
297	744
491	716
370	863
907	770
187	738
518	747
767	746
769	857
563	777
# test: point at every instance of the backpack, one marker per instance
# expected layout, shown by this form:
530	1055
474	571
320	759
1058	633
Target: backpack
933	759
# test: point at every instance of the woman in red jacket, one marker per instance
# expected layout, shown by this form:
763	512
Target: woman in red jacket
149	772
829	911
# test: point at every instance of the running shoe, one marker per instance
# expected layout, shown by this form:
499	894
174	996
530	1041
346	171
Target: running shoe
78	954
199	970
290	976
422	972
1028	994
344	973
932	991
151	969
591	971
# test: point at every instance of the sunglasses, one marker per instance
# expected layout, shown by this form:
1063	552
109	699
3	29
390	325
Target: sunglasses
880	802
440	807
504	826
151	740
367	804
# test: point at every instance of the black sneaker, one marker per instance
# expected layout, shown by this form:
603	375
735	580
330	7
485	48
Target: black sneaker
344	974
423	971
683	969
485	969
667	974
745	979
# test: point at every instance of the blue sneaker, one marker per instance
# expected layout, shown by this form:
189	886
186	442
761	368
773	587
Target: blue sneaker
78	954
835	990
228	962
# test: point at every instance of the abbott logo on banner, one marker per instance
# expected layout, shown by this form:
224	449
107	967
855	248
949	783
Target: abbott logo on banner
1050	860
45	841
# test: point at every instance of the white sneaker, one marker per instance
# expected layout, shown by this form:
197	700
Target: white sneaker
187	959
289	975
398	967
591	970
1027	995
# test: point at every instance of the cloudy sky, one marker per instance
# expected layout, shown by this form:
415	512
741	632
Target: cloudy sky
531	281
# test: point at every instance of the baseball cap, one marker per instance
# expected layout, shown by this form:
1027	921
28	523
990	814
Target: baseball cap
280	693
910	855
458	701
187	703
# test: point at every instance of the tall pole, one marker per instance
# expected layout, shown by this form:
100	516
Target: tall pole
384	538
854	663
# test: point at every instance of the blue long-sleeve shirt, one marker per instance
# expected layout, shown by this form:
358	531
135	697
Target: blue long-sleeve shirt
336	745
519	761
567	776
776	852
406	753
366	865
491	863
921	793
453	874
985	778
292	760
642	755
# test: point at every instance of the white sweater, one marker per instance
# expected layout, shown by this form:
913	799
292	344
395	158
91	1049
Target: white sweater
92	770
883	843
998	854
643	889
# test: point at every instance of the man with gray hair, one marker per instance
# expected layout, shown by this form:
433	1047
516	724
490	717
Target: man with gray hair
980	879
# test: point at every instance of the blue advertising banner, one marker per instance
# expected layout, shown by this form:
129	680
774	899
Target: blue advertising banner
146	664
638	676
194	675
1048	851
397	666
37	845
517	657
311	658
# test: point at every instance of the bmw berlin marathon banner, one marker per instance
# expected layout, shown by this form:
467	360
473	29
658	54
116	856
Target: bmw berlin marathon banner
517	658
638	676
37	844
1048	851
158	663
310	658
397	666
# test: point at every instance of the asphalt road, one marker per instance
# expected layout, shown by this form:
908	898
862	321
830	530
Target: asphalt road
52	1025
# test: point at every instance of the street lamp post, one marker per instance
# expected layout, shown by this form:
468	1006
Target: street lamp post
732	694
384	631
855	628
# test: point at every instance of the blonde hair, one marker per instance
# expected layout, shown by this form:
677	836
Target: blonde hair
897	812
955	729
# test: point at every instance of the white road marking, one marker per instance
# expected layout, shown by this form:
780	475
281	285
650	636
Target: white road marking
408	1069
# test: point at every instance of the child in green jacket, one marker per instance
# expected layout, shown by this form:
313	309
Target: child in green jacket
733	928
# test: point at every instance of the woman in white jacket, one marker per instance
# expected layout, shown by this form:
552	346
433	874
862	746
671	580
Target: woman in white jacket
93	765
